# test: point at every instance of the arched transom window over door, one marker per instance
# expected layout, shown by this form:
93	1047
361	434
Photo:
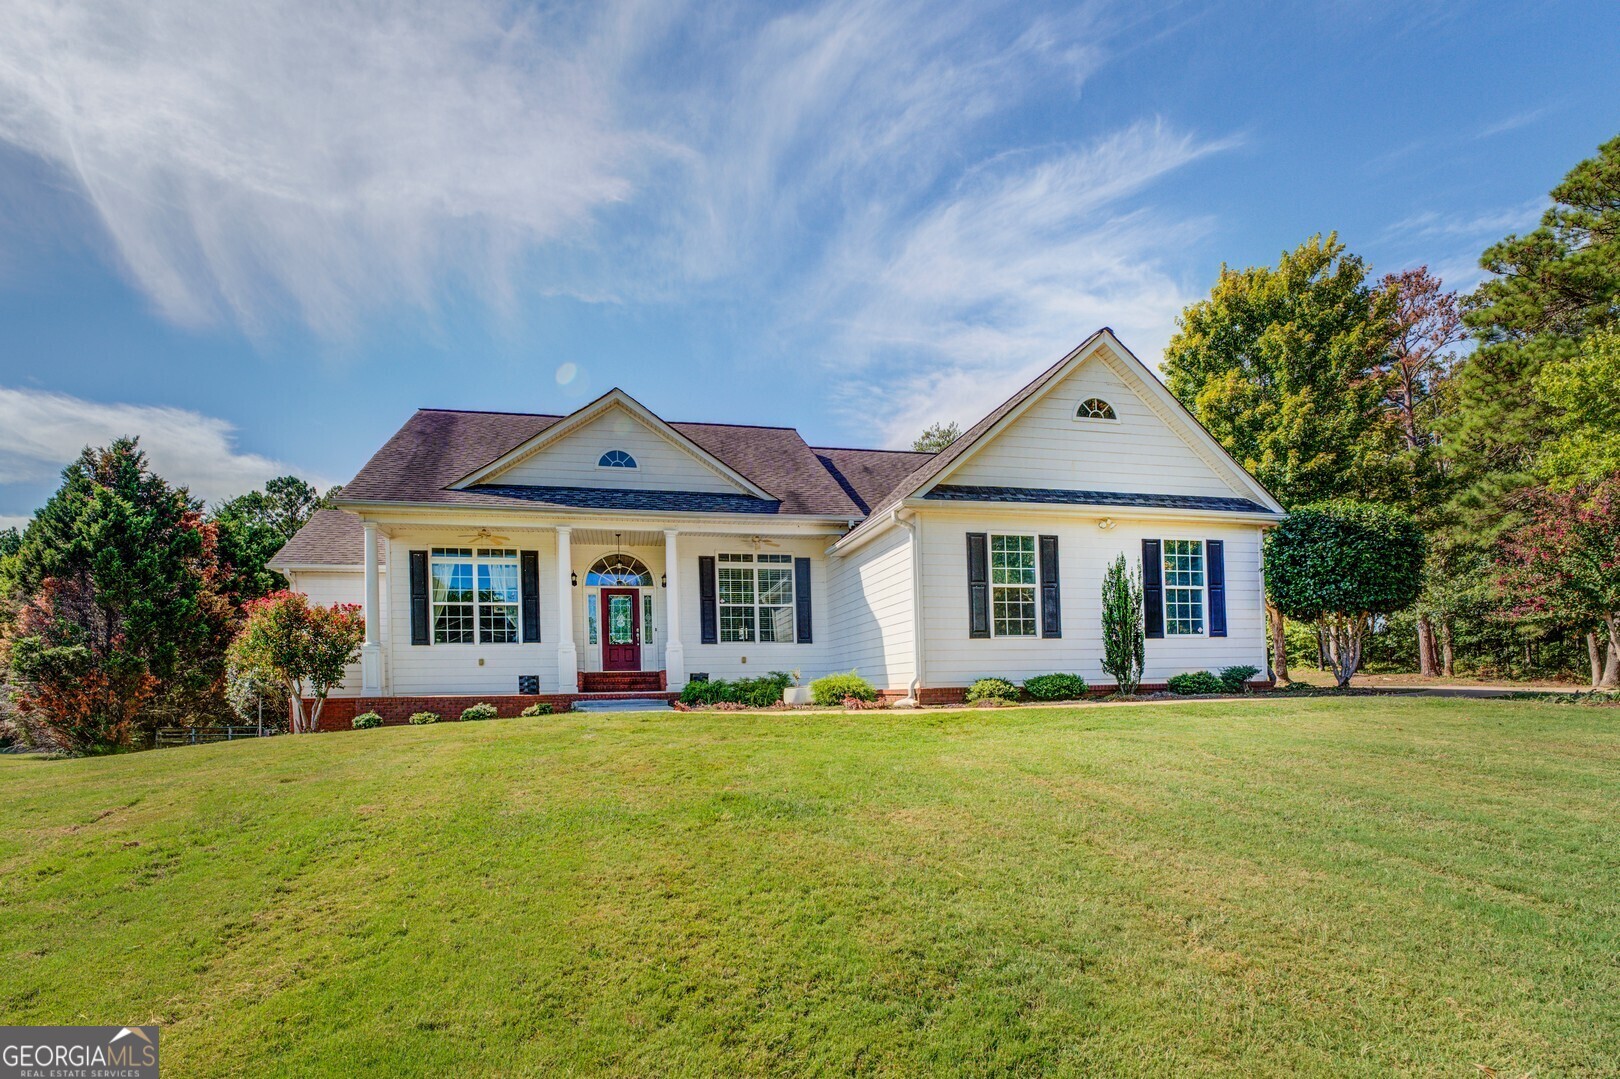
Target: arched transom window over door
619	570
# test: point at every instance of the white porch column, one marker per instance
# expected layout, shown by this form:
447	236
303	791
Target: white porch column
371	650
674	654
567	657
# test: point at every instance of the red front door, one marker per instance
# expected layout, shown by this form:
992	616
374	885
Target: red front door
621	641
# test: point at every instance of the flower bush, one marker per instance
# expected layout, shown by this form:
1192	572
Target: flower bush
538	708
1195	683
1056	687
835	689
365	721
480	711
419	719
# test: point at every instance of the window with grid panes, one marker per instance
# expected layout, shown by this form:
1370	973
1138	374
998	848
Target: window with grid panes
1183	587
1012	585
754	593
475	595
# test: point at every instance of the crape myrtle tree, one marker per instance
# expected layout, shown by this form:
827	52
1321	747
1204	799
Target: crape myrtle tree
1124	638
1340	565
300	646
1563	564
118	617
1283	365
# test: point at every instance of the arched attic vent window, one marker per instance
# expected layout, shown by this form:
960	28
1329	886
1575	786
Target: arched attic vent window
619	569
616	459
1095	408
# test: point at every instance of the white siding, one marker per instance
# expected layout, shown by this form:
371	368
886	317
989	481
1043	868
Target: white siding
423	670
1048	447
339	585
661	464
1084	550
751	660
870	615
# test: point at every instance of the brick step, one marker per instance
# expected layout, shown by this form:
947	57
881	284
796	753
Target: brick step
621	681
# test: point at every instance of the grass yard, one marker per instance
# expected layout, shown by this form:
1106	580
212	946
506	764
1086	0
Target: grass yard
1350	886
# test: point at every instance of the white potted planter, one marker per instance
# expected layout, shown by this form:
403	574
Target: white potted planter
796	695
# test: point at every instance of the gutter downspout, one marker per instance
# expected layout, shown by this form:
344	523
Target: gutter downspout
913	524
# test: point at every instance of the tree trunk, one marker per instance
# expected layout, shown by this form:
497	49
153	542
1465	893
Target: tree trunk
1594	654
1428	662
1611	666
1345	634
1322	661
1447	666
1279	645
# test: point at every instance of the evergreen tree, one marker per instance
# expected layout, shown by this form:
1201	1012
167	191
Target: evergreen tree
937	437
1551	287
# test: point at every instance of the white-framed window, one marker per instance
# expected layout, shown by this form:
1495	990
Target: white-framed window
1013	581
1095	408
616	459
646	618
755	596
475	596
1184	586
590	618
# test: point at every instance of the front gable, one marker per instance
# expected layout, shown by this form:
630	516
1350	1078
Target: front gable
613	443
1149	446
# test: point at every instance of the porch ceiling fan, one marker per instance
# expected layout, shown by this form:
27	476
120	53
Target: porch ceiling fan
483	535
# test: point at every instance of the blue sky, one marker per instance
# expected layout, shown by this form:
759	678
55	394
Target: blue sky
259	237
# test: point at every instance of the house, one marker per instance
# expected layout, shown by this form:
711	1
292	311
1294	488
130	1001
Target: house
514	557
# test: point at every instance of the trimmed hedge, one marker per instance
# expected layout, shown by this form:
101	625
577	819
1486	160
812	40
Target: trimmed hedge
759	692
992	689
538	708
419	719
365	721
835	689
1195	683
480	711
1056	687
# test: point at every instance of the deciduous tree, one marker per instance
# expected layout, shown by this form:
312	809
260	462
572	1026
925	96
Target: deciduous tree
1581	397
299	646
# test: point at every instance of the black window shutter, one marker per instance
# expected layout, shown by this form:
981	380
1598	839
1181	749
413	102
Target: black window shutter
801	599
1215	570
978	573
709	615
1051	606
419	597
1152	589
529	591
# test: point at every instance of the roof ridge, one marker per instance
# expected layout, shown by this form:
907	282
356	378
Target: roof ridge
494	412
873	449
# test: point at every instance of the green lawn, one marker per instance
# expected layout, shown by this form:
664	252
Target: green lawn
1331	886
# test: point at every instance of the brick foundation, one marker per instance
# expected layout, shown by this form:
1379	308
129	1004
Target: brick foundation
339	713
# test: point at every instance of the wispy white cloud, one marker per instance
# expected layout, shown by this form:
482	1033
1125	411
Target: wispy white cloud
320	161
1513	122
971	297
42	432
1450	243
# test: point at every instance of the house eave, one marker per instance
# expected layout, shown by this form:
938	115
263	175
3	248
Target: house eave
1072	509
432	512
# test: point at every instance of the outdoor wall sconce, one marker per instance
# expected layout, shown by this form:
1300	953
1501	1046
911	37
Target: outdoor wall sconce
573	579
663	580
1106	523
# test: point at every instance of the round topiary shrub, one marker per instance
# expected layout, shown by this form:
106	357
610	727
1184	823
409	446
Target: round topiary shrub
419	719
992	689
1195	683
1056	687
365	721
538	708
480	711
833	690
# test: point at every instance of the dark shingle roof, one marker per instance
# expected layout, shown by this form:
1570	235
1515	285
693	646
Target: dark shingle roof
958	492
328	538
868	475
601	498
437	448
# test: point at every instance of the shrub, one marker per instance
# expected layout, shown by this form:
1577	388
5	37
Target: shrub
365	721
992	689
1236	679
835	688
1196	682
419	719
1056	687
480	711
538	708
761	692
